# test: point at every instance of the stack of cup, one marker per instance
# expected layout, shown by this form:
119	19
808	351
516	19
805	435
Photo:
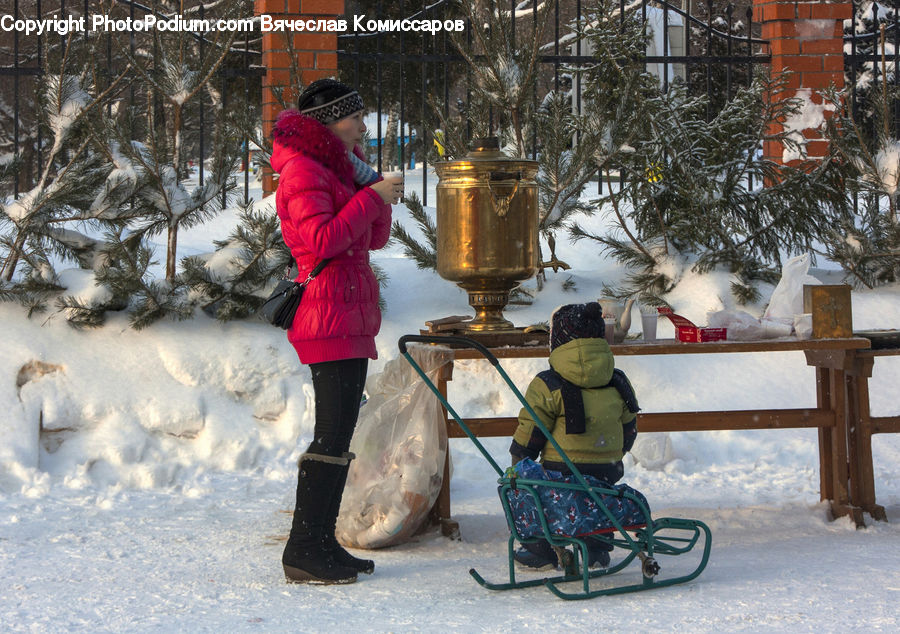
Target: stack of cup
609	324
649	318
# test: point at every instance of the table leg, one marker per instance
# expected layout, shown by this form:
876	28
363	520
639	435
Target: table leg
823	398
860	439
840	470
854	459
440	512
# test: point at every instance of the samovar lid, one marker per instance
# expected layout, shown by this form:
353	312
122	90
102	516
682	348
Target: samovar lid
485	155
485	144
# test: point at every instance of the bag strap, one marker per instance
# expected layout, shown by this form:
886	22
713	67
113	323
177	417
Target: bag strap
315	271
573	402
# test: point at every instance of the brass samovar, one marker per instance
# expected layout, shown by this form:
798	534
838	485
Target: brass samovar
487	228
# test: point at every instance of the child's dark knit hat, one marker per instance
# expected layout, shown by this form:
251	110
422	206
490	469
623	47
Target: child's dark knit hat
576	321
328	100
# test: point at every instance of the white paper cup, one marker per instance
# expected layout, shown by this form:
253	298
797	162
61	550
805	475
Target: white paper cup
803	325
648	325
609	324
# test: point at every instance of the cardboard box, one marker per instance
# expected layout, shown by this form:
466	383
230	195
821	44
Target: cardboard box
832	315
688	332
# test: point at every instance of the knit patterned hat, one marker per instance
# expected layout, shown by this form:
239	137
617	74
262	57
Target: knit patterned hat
576	321
328	100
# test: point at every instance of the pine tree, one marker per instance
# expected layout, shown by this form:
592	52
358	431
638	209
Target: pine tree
78	185
126	273
868	244
564	169
867	76
503	61
228	284
689	190
504	65
175	78
424	255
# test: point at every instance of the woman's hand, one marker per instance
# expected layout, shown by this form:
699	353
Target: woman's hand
390	189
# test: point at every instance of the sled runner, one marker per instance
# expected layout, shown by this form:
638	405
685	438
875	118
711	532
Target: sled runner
623	520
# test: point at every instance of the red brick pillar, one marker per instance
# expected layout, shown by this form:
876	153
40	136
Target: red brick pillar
314	53
807	39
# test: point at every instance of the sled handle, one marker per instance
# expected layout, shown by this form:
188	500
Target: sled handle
464	342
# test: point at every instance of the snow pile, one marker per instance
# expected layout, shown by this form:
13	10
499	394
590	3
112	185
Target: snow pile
144	409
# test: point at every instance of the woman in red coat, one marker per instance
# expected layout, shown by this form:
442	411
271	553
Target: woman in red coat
331	205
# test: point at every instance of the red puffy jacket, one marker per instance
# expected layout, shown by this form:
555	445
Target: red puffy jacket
324	214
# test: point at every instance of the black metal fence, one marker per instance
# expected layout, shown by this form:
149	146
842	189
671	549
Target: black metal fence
709	52
872	57
872	69
24	60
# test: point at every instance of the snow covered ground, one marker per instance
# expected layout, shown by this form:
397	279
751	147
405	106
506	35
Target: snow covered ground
157	493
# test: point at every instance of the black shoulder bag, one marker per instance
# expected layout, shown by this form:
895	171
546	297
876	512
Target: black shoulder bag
281	306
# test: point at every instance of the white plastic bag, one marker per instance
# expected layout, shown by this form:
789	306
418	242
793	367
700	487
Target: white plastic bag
743	326
787	298
400	445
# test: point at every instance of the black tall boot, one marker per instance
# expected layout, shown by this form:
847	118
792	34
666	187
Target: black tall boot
305	559
330	543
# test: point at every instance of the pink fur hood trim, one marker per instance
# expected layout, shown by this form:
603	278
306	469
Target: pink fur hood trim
296	133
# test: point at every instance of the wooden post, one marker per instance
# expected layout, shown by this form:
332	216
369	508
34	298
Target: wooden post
440	512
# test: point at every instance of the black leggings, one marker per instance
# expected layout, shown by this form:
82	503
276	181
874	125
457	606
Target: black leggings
339	388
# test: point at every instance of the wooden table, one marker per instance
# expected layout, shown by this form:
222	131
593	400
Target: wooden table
834	360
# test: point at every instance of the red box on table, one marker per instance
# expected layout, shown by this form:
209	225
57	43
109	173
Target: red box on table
688	332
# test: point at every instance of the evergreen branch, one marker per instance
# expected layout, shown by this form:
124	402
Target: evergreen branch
622	223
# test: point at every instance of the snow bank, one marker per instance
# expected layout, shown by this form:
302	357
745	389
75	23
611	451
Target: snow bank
144	409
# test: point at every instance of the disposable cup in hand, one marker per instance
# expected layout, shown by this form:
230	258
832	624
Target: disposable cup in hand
396	175
648	325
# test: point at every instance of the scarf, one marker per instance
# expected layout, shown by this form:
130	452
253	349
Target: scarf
362	173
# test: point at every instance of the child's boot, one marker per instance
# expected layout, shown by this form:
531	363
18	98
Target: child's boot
598	552
537	555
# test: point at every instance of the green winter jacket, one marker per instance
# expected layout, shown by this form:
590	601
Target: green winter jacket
587	363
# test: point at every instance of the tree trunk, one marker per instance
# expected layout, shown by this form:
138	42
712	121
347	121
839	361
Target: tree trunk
390	155
171	246
9	266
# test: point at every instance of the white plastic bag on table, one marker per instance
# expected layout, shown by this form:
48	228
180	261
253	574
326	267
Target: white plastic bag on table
400	445
742	326
787	298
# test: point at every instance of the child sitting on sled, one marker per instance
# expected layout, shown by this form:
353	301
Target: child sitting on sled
587	405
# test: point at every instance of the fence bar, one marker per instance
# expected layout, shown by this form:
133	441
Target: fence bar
378	90
426	137
401	135
40	149
246	143
202	148
16	95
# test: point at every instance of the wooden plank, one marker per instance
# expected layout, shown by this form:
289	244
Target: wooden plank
885	424
882	352
734	420
484	427
675	421
669	346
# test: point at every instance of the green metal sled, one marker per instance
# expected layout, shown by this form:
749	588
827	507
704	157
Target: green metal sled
667	536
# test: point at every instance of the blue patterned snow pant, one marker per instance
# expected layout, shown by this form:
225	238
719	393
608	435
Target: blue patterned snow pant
570	512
